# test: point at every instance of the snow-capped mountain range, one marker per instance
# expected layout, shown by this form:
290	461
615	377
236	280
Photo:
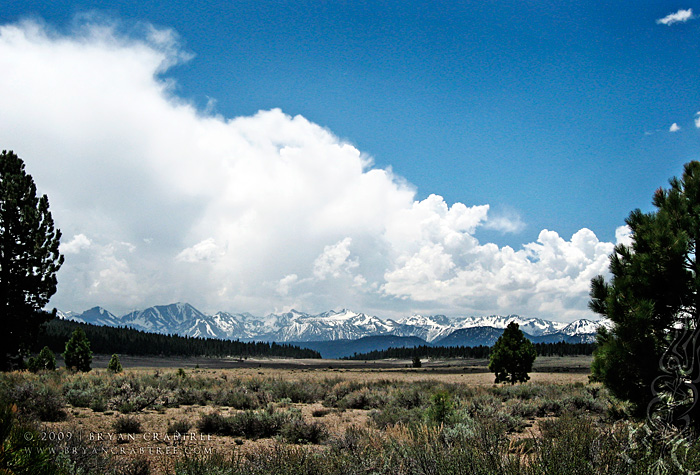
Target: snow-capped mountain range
294	326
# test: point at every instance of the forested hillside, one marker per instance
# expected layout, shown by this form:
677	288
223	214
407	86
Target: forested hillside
543	349
108	340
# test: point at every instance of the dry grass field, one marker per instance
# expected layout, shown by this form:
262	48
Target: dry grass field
167	416
163	449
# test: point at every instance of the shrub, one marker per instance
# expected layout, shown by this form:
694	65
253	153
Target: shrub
237	398
565	446
132	396
257	424
250	424
441	409
98	404
38	401
519	408
79	392
364	398
584	402
408	398
392	415
179	427
339	390
114	365
548	407
321	412
213	423
297	391
297	431
80	397
127	425
45	360
188	396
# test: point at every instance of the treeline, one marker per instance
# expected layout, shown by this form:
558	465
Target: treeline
564	349
478	352
128	341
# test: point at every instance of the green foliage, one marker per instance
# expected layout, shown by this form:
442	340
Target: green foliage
133	395
364	398
179	427
108	340
114	365
37	400
432	428
298	431
22	450
415	362
77	355
295	391
237	398
260	424
512	356
654	289
45	360
29	260
560	348
441	408
127	425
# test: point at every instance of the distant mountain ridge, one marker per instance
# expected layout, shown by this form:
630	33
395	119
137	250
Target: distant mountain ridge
344	325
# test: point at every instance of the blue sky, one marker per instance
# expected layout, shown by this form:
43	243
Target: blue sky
558	115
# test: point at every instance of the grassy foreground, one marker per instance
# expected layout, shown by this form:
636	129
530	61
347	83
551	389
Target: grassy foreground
204	421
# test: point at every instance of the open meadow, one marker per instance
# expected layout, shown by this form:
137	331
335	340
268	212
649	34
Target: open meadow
276	416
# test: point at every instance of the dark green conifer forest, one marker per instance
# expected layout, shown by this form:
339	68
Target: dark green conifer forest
128	341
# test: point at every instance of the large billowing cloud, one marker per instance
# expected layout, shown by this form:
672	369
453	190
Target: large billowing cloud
160	202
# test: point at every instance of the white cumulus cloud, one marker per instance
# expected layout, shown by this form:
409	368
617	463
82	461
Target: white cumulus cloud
674	128
285	283
206	250
249	213
623	235
75	245
681	16
334	260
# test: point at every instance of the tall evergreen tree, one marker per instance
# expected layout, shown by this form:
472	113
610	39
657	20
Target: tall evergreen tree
512	356
78	355
29	260
653	301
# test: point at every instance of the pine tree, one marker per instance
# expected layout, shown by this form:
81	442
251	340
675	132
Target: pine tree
512	356
29	260
114	365
78	356
415	362
654	295
45	360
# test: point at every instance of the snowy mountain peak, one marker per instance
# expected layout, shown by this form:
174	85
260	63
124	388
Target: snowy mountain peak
183	319
421	320
582	326
532	326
